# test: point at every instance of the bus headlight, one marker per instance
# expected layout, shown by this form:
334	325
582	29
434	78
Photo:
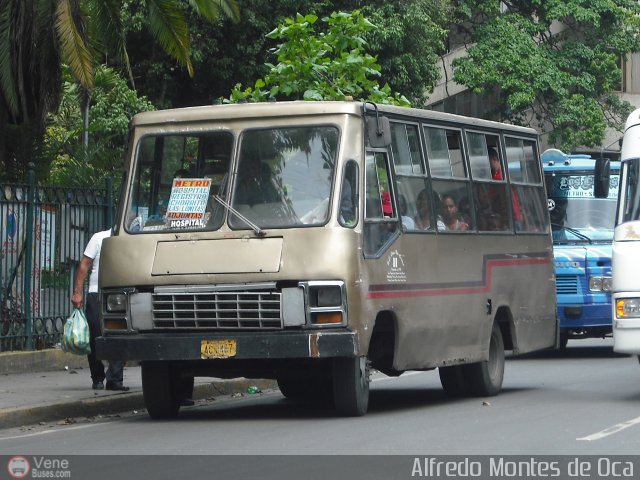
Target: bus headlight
628	308
600	284
116	302
326	303
328	296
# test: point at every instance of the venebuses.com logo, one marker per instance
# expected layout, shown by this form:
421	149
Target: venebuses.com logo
38	467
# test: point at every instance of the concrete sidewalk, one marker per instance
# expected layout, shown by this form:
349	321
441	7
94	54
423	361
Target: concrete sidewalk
51	385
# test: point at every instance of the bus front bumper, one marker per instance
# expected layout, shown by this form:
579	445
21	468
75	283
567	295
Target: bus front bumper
626	336
235	345
575	317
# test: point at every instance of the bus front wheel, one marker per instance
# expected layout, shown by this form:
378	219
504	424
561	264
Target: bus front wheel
453	380
485	378
314	387
351	386
161	396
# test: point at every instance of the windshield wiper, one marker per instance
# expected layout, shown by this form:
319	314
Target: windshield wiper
258	231
574	231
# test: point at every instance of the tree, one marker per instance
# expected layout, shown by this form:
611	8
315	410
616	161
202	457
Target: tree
407	41
113	103
553	63
37	35
330	65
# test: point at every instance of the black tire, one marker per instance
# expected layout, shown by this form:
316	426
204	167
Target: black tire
454	381
484	379
351	386
313	387
564	339
294	388
160	390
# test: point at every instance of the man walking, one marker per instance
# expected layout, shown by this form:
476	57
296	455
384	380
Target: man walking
90	263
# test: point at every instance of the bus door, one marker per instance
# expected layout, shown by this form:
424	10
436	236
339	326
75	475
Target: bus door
380	213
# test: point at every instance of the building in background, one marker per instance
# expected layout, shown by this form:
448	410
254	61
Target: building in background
451	97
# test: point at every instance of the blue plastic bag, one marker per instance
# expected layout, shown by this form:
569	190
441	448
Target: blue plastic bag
75	338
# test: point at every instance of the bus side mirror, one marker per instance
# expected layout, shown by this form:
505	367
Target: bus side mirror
601	178
378	131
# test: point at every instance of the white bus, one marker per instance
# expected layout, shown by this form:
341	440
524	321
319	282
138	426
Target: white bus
310	242
626	245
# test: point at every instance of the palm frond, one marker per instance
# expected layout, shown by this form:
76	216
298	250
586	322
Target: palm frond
7	84
106	25
71	29
210	9
105	77
168	25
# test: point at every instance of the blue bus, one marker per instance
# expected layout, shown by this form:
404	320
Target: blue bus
582	227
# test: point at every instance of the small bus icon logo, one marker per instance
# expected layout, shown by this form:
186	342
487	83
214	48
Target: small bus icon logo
18	467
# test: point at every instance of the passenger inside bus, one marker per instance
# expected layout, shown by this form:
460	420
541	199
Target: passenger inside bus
255	183
450	216
423	219
408	223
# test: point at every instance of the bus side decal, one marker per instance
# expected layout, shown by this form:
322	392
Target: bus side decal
459	288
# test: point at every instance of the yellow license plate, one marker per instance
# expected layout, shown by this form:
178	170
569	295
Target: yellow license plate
217	349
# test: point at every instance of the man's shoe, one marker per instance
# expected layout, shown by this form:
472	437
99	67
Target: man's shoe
117	386
187	402
97	385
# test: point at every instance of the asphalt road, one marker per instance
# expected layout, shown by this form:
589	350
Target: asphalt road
583	401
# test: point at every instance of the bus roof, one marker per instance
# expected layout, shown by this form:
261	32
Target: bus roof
554	160
630	141
301	108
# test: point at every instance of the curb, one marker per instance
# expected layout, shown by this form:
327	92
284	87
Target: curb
117	403
39	361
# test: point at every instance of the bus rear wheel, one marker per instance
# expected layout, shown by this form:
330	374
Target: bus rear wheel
160	390
351	386
485	378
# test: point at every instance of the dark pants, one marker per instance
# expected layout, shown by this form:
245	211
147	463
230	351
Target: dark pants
114	372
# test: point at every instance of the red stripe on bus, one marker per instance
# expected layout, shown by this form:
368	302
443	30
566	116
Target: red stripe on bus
429	292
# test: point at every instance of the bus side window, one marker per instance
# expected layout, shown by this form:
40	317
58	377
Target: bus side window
491	207
349	195
379	209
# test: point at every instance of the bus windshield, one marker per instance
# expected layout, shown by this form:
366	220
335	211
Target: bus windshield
631	206
576	216
282	178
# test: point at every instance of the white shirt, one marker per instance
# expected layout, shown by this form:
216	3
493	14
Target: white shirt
93	252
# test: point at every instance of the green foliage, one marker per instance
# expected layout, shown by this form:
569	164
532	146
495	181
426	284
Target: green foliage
329	65
112	105
406	44
37	36
408	41
560	81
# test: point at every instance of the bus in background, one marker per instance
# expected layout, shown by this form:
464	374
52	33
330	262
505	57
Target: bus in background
582	228
626	245
308	242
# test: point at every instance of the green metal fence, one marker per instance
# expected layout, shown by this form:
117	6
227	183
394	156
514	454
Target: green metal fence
43	231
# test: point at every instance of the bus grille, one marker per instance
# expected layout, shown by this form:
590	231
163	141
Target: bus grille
566	284
217	310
